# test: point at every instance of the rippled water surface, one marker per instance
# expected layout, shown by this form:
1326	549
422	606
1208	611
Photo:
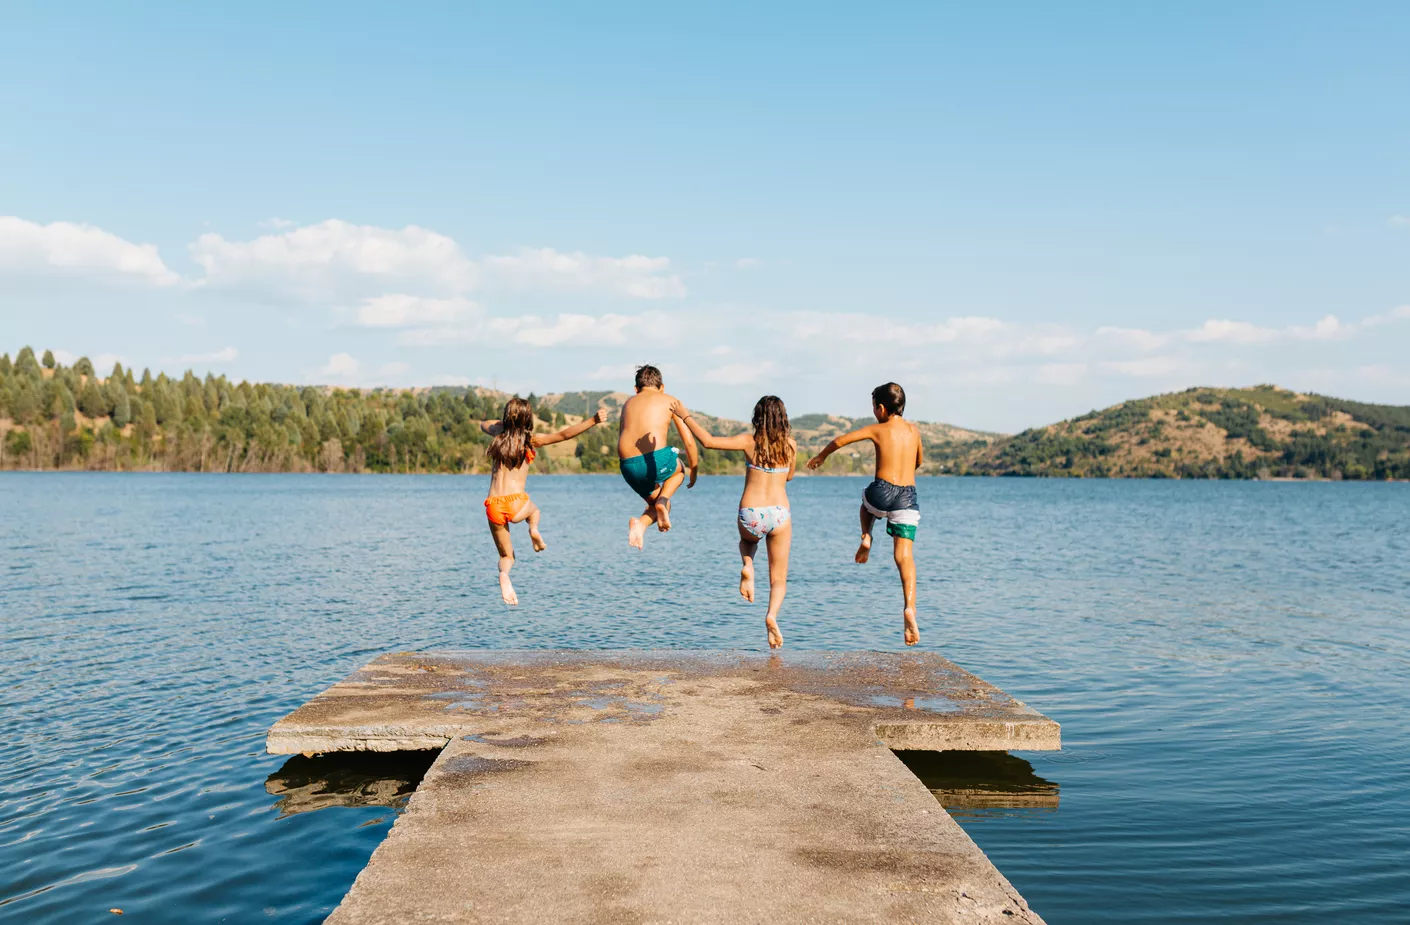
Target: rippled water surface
1230	663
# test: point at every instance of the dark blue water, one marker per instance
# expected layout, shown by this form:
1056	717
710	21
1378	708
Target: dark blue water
1230	663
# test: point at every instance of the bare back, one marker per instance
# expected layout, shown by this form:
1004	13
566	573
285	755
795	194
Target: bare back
646	419
897	444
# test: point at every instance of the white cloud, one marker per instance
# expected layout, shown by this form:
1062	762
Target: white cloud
1395	314
740	373
403	311
1060	373
623	372
1402	221
275	223
452	380
1145	368
224	355
76	250
1231	332
564	330
1132	338
336	259
748	263
340	367
545	268
1329	328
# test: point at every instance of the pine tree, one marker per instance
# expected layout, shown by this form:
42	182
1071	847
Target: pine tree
84	367
122	409
91	401
49	359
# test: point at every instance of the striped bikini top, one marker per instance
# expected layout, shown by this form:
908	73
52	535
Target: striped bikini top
766	468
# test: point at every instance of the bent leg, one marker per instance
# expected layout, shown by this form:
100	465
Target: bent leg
748	549
505	546
864	550
662	497
906	565
780	544
636	527
530	512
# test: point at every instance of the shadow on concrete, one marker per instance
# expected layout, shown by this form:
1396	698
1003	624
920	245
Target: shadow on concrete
974	784
348	779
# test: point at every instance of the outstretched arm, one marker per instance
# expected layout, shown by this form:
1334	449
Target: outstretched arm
492	428
710	442
572	430
692	452
838	443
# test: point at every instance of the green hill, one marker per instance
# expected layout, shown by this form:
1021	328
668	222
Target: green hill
1259	432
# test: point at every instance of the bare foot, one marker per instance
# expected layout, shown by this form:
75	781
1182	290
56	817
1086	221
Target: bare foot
912	630
663	515
746	583
775	637
864	550
636	533
506	589
537	539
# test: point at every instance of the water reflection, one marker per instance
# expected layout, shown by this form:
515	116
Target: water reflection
982	784
348	779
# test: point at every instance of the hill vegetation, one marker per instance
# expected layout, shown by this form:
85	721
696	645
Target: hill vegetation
54	416
1261	432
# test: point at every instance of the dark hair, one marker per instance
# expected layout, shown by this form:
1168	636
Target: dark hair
891	397
771	428
511	445
648	377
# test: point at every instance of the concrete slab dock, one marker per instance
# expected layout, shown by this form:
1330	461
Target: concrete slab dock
669	787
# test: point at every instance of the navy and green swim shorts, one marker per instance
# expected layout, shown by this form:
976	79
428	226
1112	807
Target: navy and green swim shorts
643	473
897	503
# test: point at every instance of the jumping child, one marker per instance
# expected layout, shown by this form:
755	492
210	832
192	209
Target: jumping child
512	452
892	494
770	455
650	467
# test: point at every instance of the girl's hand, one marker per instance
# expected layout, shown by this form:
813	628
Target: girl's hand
816	461
679	410
600	417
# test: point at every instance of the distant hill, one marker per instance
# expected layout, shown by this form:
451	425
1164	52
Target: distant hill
945	443
1259	432
54	416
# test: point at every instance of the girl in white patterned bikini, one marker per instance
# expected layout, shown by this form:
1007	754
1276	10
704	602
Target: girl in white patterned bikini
769	454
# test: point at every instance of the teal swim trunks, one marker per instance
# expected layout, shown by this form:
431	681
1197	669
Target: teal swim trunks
644	473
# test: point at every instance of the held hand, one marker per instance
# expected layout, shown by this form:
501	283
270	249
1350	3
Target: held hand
694	470
678	409
600	417
815	461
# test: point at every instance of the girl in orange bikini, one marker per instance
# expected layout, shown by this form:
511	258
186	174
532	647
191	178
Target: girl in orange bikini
512	451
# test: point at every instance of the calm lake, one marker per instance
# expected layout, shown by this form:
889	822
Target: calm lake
1230	663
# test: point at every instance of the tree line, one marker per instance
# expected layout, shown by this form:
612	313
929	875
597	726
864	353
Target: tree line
54	416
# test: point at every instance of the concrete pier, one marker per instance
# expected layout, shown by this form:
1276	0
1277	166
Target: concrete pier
669	787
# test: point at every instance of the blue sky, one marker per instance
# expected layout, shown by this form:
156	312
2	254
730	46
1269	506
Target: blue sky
1019	211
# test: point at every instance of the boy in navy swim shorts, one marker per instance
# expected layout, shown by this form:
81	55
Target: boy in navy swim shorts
892	494
648	464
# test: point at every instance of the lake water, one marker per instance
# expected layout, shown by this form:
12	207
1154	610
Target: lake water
1230	663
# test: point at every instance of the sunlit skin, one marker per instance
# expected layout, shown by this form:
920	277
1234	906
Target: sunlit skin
898	455
761	489
646	421
507	481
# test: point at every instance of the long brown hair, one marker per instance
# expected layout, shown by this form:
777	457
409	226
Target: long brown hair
511	444
771	430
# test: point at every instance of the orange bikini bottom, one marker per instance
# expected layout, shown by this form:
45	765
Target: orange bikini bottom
501	510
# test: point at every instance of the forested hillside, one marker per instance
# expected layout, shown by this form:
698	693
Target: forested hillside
1262	432
54	416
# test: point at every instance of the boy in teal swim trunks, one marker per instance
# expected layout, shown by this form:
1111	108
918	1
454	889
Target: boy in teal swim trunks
892	494
650	467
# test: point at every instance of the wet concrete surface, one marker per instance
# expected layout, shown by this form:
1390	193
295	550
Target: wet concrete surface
656	787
